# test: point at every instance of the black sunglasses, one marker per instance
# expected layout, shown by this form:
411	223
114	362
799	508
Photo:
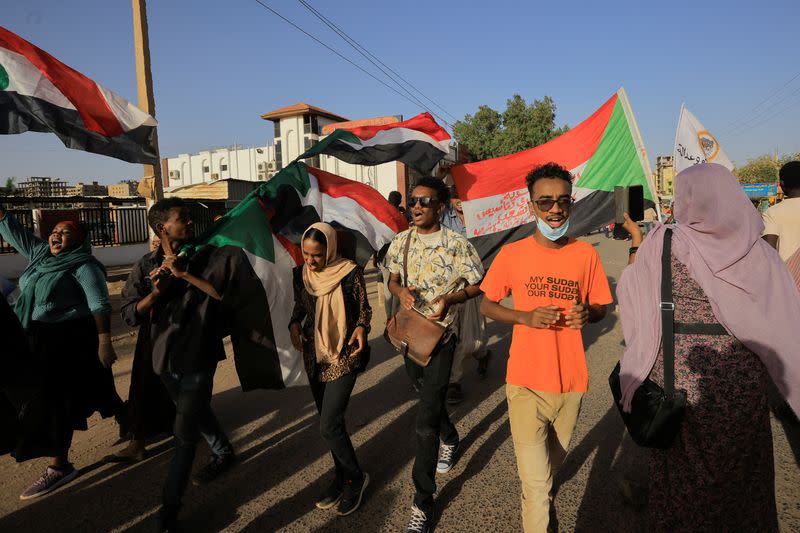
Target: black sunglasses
424	201
546	204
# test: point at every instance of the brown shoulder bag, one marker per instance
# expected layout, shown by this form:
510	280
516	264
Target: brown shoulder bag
409	331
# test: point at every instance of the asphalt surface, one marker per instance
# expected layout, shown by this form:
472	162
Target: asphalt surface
284	465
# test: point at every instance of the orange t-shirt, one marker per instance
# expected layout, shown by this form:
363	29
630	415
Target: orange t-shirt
547	360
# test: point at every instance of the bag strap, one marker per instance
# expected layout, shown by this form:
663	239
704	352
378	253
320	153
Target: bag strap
405	259
668	317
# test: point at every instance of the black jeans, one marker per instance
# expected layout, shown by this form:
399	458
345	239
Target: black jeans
432	419
331	398
191	393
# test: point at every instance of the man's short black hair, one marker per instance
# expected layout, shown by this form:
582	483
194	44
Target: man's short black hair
548	170
442	191
790	176
395	198
159	213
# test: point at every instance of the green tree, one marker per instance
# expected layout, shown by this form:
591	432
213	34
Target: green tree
763	168
489	133
10	188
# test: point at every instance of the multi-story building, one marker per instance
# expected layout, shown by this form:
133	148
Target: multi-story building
664	175
123	189
296	128
42	186
87	189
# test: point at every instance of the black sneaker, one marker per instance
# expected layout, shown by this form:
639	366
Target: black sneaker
331	496
447	457
454	394
216	466
352	491
420	521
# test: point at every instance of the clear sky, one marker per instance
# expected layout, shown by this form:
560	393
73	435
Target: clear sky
218	65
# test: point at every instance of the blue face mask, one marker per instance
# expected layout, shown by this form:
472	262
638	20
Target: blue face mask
552	233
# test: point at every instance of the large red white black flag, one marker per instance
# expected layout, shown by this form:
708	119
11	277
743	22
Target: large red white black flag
40	93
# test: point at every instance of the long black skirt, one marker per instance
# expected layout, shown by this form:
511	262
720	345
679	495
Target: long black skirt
63	385
150	410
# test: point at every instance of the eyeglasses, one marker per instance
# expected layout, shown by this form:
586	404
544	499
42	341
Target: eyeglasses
424	201
546	204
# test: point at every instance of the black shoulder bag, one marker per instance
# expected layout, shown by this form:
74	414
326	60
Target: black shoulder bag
656	413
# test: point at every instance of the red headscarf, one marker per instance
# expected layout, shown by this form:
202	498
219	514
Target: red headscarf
76	228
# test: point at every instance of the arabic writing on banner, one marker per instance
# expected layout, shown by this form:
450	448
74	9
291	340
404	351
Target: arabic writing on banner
691	159
501	212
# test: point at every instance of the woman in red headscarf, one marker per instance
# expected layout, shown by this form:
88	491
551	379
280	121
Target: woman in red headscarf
64	310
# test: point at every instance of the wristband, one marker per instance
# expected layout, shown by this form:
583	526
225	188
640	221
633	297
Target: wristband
632	250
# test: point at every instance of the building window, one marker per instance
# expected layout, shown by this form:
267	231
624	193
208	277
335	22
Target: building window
223	168
310	124
277	130
206	170
278	153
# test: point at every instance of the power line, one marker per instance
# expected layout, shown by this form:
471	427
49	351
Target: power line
759	120
359	67
747	115
361	49
349	41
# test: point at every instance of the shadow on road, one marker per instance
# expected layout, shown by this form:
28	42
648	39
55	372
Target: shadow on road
283	445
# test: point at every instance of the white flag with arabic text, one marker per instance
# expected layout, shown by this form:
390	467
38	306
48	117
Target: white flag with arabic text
694	144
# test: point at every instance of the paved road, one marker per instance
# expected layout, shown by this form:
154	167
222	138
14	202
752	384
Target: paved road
284	464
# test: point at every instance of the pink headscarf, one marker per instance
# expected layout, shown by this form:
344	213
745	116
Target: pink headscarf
718	237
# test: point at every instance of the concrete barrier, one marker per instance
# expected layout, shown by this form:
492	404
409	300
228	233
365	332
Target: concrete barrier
12	265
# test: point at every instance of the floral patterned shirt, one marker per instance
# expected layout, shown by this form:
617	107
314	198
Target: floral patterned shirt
446	265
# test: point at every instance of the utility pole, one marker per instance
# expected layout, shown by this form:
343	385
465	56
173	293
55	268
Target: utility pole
144	83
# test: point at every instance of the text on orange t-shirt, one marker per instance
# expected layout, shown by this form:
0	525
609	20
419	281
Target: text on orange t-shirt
547	360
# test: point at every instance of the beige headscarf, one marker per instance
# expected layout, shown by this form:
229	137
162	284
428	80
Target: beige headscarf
330	327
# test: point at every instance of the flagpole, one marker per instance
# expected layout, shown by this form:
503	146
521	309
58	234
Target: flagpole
675	149
641	151
144	86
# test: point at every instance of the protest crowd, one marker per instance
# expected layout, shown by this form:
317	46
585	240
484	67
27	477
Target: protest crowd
719	363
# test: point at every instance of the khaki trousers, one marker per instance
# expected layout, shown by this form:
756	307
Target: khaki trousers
541	427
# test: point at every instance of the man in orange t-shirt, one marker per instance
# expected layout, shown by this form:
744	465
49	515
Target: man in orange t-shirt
558	285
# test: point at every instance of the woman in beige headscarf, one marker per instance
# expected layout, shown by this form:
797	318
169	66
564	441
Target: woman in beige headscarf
329	324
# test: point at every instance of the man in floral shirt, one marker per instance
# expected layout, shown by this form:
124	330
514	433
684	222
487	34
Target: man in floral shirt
443	272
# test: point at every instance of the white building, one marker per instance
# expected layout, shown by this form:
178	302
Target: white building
296	129
250	164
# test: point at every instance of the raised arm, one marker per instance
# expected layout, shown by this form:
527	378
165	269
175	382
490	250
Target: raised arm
636	238
20	237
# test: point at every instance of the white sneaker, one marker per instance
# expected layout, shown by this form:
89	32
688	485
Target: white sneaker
447	457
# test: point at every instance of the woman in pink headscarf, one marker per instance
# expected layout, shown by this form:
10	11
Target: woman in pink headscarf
736	315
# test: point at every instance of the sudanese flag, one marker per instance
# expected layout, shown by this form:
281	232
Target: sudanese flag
40	93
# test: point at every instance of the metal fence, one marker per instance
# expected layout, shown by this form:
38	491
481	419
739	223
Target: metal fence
107	224
108	221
